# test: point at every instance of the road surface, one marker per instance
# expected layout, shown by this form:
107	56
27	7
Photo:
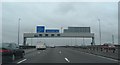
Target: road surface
63	55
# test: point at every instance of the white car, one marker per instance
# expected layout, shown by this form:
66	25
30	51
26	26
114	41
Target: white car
40	47
52	46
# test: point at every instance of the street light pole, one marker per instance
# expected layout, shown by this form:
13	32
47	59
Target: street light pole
112	39
61	29
18	29
99	30
83	41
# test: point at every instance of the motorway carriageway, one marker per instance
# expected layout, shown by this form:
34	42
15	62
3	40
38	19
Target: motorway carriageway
63	55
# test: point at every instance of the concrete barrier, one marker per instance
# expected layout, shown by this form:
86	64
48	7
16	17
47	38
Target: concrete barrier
99	50
27	47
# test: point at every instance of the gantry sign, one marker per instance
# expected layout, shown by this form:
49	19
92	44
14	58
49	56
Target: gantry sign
77	32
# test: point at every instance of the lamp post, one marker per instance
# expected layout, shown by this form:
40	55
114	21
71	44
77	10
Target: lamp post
99	30
18	29
112	39
83	41
61	29
31	41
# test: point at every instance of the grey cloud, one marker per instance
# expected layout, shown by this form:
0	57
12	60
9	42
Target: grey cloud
65	8
56	15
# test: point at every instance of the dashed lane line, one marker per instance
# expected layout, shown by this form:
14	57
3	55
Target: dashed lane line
60	52
67	60
21	61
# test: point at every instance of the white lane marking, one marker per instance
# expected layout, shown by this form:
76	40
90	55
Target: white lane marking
60	52
67	60
21	61
101	57
38	52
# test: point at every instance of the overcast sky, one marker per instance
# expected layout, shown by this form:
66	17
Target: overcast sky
60	14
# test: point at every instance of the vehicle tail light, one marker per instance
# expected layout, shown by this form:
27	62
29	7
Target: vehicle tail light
4	50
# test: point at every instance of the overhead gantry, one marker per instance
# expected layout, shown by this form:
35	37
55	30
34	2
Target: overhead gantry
58	35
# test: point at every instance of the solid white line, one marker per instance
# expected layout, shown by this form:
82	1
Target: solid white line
108	58
67	60
101	57
21	61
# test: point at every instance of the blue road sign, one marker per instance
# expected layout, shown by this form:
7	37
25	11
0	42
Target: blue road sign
40	29
52	31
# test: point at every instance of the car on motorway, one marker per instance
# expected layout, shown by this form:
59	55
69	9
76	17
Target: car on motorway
108	46
10	52
67	46
76	46
52	46
41	47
